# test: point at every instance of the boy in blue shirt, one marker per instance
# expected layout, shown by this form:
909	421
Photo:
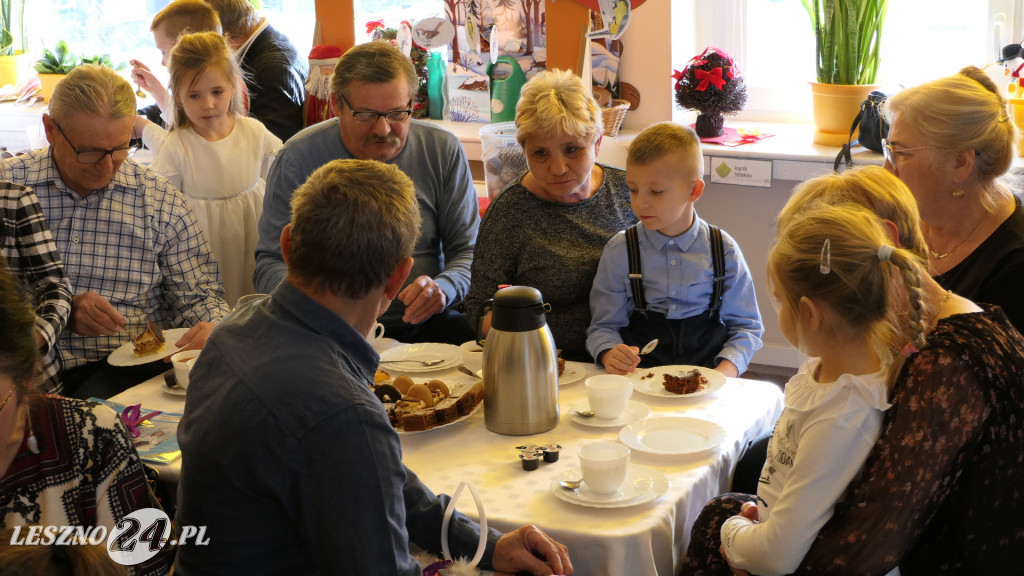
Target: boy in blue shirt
666	285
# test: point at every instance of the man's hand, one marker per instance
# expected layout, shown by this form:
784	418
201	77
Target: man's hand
92	315
422	298
728	368
528	549
195	338
621	359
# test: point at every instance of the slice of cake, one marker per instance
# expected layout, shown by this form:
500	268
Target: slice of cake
685	382
150	341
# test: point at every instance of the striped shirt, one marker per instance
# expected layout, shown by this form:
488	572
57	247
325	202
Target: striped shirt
135	242
28	247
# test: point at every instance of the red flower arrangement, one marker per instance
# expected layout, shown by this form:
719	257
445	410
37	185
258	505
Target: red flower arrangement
710	84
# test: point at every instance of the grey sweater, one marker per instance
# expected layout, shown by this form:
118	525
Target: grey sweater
554	247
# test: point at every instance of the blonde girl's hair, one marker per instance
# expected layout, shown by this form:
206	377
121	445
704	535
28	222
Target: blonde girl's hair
193	55
556	102
874	188
830	253
965	111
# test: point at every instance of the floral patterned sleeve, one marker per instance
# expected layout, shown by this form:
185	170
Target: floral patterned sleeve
938	414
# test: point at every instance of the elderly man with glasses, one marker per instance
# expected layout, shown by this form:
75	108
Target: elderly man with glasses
130	245
373	87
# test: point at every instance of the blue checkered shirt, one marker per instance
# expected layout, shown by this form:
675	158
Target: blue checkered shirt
28	247
135	242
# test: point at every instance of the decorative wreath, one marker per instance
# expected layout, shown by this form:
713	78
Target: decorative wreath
711	84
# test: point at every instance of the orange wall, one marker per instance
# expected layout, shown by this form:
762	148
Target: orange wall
567	17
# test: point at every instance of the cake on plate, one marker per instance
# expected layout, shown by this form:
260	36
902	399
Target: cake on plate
150	341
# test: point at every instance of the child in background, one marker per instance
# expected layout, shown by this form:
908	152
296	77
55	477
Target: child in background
839	286
216	156
177	18
685	282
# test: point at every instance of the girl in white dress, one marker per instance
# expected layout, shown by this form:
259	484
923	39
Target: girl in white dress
840	290
216	156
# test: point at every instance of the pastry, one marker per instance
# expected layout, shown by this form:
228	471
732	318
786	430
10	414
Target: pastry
380	376
424	406
685	382
150	341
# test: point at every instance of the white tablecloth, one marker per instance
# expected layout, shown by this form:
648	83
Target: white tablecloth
645	539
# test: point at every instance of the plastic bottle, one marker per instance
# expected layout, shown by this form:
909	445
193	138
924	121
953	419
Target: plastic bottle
437	86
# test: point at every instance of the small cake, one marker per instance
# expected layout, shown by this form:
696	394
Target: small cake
380	376
424	406
150	341
561	366
686	382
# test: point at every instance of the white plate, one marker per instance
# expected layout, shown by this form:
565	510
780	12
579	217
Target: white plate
574	372
391	359
653	386
125	354
382	344
672	435
642	485
634	411
445	425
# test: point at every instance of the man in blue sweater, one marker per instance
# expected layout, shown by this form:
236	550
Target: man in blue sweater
373	89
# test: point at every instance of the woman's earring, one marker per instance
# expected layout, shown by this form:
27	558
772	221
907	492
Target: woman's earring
958	193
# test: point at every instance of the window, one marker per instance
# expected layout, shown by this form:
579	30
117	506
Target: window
773	44
392	12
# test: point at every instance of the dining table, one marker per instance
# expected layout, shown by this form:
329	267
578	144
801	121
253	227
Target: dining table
645	532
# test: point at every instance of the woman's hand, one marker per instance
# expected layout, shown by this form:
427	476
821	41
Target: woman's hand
621	359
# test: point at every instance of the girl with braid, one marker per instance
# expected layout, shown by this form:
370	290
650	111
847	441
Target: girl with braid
939	492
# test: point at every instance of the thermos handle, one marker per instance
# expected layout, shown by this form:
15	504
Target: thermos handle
487	307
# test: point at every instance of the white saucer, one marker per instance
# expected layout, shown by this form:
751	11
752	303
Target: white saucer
649	381
382	344
393	359
634	411
672	435
177	390
642	485
574	372
125	354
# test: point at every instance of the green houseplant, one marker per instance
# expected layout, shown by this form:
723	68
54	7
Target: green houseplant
13	43
55	64
847	41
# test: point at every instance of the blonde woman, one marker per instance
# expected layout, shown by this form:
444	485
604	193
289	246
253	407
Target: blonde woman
548	228
950	141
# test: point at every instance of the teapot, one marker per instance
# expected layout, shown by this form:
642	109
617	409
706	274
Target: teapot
520	364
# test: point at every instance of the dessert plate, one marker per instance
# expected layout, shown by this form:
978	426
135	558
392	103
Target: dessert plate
445	425
642	485
672	435
574	372
634	411
411	357
650	381
125	354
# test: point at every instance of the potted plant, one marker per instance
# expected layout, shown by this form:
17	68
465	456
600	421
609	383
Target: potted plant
710	84
847	42
13	44
54	65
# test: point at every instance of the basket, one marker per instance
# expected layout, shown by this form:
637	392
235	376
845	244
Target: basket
614	116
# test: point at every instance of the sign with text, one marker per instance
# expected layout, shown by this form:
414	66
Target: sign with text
741	171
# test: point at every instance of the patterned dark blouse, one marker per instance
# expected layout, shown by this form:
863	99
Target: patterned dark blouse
942	492
87	473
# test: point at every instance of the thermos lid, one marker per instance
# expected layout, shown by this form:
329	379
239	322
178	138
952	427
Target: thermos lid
518	309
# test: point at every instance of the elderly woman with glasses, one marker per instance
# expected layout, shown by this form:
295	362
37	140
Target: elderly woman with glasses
547	228
950	141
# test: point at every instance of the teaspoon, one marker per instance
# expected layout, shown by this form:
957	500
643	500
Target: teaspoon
571	484
431	362
649	347
585	413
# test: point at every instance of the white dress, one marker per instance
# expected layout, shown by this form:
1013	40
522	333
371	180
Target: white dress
224	183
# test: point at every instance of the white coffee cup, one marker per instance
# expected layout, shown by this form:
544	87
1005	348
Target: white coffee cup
604	466
378	331
608	394
182	363
472	355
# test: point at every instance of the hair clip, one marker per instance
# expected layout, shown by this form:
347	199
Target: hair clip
885	252
826	257
1004	115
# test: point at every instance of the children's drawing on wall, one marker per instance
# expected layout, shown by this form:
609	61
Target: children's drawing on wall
485	31
605	54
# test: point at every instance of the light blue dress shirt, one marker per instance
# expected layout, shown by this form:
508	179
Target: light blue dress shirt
678	281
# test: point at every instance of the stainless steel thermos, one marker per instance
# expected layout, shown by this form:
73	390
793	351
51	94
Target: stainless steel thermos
520	365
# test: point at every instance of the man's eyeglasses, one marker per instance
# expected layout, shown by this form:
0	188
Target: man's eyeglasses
891	154
94	156
370	117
